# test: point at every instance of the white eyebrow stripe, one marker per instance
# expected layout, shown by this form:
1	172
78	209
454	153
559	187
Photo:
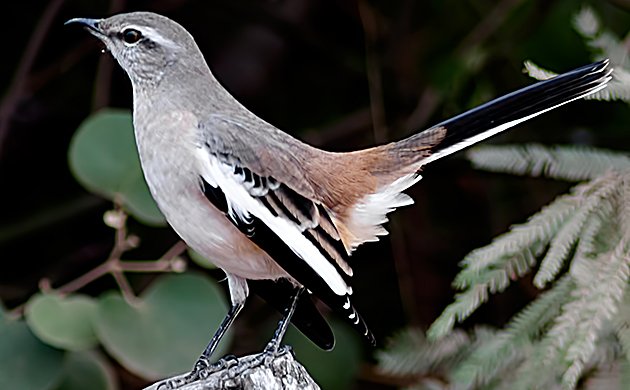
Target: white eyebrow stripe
153	35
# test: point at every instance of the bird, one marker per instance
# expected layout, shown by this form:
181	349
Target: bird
277	215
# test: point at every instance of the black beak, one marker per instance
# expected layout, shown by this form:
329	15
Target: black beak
90	24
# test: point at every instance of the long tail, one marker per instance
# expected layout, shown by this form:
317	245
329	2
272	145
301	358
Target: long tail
500	114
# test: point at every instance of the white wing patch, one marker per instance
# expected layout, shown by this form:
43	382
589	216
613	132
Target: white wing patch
369	214
241	204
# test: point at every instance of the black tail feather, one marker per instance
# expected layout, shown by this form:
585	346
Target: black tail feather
502	113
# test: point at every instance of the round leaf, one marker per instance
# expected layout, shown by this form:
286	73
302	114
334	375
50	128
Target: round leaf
164	332
336	369
87	370
63	322
25	362
104	159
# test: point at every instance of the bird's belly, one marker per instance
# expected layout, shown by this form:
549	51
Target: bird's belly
210	233
176	189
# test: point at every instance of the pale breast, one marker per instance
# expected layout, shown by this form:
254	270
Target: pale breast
166	145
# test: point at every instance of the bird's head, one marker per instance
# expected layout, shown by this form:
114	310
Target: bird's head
146	45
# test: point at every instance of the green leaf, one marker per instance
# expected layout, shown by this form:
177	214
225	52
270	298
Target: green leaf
25	362
104	159
165	330
87	370
63	322
336	369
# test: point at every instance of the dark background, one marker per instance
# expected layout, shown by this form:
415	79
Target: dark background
338	74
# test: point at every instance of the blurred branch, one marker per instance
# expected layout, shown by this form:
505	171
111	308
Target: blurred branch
103	79
487	26
123	242
373	67
427	104
39	78
348	126
12	99
259	371
377	107
625	4
17	229
430	98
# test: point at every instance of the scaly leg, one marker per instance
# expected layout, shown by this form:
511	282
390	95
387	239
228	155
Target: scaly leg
283	325
203	367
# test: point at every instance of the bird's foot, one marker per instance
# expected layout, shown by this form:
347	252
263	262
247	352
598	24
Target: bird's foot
274	348
201	370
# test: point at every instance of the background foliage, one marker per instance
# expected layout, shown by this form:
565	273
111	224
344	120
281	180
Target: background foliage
338	74
577	331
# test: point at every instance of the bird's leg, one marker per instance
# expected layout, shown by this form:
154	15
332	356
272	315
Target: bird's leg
202	367
204	359
283	325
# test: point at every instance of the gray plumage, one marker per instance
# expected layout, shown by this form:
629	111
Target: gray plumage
216	170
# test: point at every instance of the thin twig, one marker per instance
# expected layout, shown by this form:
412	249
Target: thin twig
488	25
429	100
352	124
427	104
105	69
167	263
11	100
125	287
162	265
85	279
175	250
117	267
373	68
377	106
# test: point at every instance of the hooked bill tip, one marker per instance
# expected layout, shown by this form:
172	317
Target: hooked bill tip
92	24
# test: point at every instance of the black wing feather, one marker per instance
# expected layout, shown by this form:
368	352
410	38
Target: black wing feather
277	249
306	318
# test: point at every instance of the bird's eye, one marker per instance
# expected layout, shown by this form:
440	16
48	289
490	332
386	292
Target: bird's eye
131	36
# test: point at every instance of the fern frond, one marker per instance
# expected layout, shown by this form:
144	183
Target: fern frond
491	269
590	196
608	377
606	45
536	72
598	285
490	361
572	163
596	303
538	371
607	349
622	325
531	321
625	371
490	281
586	23
533	234
410	353
624	207
500	356
594	227
617	89
430	384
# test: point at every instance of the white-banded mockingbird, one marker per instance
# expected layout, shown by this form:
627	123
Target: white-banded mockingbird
264	206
